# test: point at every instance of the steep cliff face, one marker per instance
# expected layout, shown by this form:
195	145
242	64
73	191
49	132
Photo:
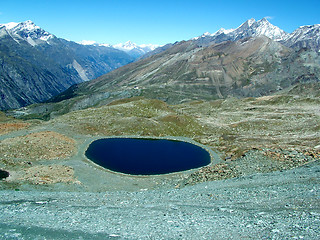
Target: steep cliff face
35	65
27	75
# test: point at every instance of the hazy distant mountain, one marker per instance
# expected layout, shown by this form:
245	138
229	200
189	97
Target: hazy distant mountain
134	49
129	47
36	65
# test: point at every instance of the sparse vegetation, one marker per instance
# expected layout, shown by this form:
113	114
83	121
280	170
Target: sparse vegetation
46	145
232	127
139	117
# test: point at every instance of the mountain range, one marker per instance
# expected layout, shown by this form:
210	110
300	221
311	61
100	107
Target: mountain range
36	65
255	59
303	37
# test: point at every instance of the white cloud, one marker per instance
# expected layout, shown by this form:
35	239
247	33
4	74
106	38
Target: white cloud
269	17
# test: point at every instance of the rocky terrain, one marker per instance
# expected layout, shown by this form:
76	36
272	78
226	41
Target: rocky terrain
263	181
278	205
250	135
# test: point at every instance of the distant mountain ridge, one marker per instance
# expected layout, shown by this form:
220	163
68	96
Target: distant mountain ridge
250	28
129	47
304	36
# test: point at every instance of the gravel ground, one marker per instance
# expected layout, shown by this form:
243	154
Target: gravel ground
277	205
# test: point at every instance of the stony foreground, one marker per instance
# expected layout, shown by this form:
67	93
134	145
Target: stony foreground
278	205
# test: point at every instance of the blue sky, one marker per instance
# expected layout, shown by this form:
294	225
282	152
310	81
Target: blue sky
156	22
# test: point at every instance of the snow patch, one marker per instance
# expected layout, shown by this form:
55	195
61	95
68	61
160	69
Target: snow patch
93	43
46	38
87	42
224	31
10	25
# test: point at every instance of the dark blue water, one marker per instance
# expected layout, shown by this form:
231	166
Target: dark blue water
146	156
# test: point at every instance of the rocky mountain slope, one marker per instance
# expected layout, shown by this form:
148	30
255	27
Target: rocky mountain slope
36	65
249	67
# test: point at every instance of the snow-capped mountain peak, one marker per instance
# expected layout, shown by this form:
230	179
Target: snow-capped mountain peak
304	37
135	50
251	21
264	27
127	46
27	25
246	25
206	34
253	28
27	31
250	28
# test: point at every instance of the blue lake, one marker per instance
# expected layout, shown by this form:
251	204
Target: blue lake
138	156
